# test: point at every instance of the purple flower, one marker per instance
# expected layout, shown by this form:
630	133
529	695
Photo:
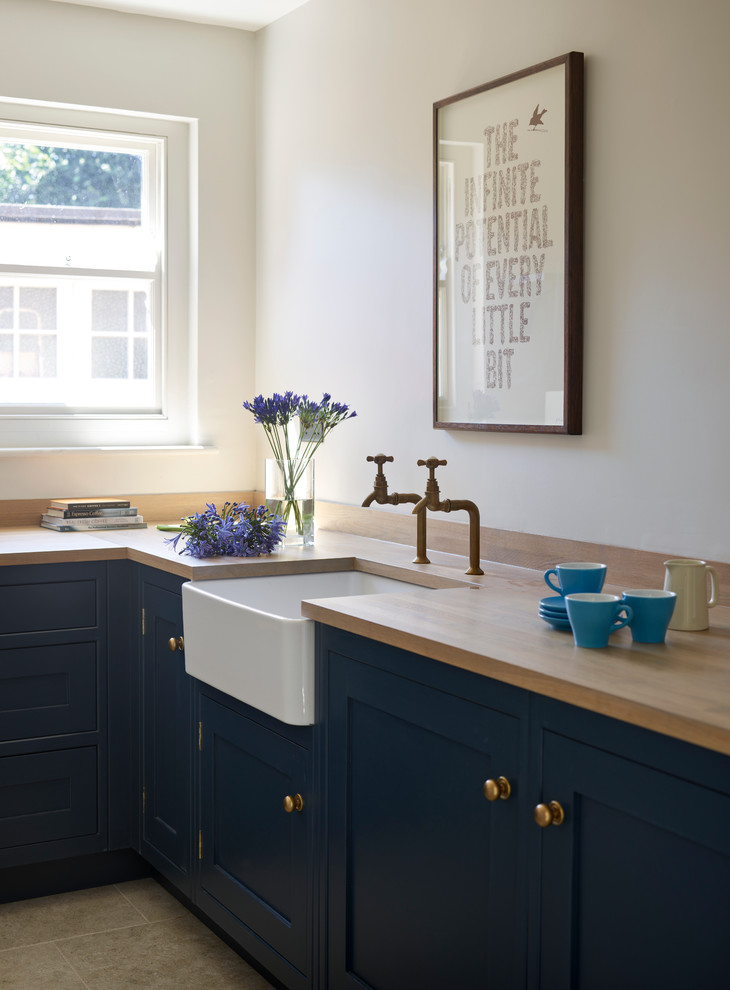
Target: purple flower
316	420
276	411
237	530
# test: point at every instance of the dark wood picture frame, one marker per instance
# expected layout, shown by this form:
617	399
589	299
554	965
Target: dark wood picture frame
508	252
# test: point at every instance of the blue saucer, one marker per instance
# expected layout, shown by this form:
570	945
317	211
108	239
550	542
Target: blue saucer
555	622
554	603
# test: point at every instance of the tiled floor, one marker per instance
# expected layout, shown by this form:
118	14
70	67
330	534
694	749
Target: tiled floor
129	935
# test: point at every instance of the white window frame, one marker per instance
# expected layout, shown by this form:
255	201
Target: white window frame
174	420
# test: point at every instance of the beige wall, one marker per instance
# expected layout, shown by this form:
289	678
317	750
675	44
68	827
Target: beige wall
83	55
340	216
344	240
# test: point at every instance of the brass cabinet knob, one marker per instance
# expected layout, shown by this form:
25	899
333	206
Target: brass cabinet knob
499	788
295	803
549	814
176	644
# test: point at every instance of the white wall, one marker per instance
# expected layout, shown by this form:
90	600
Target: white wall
343	215
344	255
83	55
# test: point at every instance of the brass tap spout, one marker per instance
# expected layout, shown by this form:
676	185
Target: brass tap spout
432	502
380	495
429	501
471	508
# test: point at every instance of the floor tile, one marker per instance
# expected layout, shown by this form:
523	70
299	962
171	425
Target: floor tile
151	900
42	919
37	967
177	954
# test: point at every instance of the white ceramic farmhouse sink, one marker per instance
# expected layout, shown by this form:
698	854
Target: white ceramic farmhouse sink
247	636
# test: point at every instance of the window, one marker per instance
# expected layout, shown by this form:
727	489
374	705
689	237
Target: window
94	313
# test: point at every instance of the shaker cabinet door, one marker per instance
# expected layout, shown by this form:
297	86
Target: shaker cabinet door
53	713
167	729
424	872
255	859
48	796
634	883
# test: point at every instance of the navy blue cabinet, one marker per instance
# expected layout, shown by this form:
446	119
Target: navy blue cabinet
53	712
392	845
633	885
256	813
625	884
166	838
424	872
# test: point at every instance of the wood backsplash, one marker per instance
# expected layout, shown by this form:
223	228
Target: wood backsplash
626	567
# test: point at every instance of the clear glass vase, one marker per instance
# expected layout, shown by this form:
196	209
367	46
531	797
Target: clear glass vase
289	493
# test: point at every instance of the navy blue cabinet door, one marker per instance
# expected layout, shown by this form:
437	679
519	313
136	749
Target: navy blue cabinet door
424	873
46	797
255	871
53	725
634	884
167	724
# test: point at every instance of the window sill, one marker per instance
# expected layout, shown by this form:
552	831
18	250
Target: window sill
142	449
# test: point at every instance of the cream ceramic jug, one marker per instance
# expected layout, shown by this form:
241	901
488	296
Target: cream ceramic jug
688	578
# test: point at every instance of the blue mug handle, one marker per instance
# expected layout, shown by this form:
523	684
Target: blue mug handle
549	583
620	623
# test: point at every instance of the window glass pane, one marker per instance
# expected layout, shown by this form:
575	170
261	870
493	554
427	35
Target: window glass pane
108	311
109	357
67	341
37	309
91	204
6	307
29	357
45	175
37	356
141	324
49	366
6	355
140	358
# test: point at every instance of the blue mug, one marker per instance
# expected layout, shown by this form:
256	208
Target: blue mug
593	617
574	577
652	611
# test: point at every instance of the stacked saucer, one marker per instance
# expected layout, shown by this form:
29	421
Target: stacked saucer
552	609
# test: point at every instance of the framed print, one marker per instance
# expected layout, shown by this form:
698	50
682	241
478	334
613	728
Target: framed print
508	253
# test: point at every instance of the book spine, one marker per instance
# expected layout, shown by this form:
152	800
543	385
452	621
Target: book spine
89	513
64	526
85	506
129	524
100	522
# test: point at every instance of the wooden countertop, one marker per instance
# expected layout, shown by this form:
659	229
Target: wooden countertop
332	551
487	624
680	687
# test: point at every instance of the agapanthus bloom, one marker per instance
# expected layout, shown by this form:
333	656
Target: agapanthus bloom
236	531
276	411
316	421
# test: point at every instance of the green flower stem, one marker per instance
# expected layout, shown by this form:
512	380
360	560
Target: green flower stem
292	471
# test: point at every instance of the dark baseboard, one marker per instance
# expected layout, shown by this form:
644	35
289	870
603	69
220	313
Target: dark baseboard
17	883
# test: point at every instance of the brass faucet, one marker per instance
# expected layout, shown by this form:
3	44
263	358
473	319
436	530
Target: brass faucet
380	496
431	501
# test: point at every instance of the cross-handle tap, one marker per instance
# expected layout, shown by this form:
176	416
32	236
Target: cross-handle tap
379	493
380	496
432	502
431	498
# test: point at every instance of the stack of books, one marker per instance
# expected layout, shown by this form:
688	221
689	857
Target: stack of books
75	515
